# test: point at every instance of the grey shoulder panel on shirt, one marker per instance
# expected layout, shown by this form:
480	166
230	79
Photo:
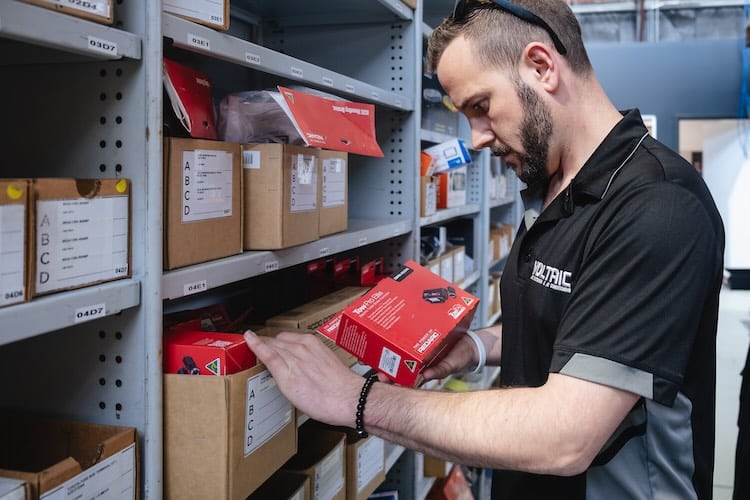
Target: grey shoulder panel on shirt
606	372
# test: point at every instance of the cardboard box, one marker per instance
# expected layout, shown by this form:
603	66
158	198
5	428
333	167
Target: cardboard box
436	467
311	315
54	456
14	245
81	233
284	485
211	13
427	196
224	436
202	201
365	465
321	457
206	353
435	265
99	11
281	195
446	266
14	489
459	263
453	487
452	188
449	154
404	323
333	203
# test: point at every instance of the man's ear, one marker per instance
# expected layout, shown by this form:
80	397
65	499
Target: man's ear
541	65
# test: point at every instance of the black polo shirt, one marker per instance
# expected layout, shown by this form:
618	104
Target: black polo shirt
617	282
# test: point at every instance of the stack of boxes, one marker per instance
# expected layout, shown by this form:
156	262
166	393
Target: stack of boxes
61	234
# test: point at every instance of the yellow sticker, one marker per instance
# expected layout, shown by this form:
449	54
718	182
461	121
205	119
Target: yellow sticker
14	193
121	186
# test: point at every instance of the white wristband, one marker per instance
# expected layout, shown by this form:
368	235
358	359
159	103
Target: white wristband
480	349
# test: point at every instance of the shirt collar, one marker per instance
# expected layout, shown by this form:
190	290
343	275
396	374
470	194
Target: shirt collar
596	175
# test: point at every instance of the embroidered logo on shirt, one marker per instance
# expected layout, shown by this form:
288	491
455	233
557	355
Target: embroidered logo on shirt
551	277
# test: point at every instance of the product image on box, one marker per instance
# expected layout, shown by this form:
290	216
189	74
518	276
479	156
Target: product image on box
404	323
439	295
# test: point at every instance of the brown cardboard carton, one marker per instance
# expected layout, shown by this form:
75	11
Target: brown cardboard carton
321	456
333	190
284	485
211	13
365	465
14	244
224	436
51	454
365	461
202	201
428	195
281	195
436	467
100	11
81	233
311	315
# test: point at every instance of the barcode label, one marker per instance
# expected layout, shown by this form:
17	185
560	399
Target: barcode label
251	159
389	362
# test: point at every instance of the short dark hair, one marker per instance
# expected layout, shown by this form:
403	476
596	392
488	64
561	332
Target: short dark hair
500	36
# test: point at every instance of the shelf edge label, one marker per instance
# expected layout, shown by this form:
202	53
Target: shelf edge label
88	313
102	46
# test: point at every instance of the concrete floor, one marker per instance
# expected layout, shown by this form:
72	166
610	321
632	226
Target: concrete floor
731	348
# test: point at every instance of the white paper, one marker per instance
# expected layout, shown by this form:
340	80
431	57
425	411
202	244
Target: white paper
80	241
110	479
334	182
304	183
370	461
268	411
211	11
206	185
12	237
329	475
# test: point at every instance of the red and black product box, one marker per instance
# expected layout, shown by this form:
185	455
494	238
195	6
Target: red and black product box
195	352
404	323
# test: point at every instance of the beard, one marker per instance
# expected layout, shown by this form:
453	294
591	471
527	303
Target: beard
536	129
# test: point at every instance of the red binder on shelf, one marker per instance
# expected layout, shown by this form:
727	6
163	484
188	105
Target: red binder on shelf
331	124
189	91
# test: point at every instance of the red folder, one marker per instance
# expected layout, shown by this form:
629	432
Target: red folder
331	124
190	93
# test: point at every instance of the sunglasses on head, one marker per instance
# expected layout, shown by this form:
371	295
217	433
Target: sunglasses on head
464	7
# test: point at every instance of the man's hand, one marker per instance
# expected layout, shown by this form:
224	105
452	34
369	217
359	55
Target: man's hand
310	375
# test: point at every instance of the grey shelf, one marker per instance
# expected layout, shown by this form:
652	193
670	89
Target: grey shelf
53	312
44	27
203	277
446	214
200	39
499	202
470	280
434	137
324	12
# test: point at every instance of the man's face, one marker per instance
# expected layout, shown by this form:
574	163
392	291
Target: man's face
505	113
535	131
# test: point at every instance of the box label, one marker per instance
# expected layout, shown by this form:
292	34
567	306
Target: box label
207	185
334	182
210	11
329	475
80	241
389	362
112	478
370	461
251	159
304	182
98	7
12	238
268	411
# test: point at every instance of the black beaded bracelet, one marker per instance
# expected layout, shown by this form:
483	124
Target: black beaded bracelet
372	377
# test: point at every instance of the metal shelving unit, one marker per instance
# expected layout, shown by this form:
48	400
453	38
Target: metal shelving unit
86	101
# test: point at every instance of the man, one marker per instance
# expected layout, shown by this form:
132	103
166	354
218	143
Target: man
610	293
